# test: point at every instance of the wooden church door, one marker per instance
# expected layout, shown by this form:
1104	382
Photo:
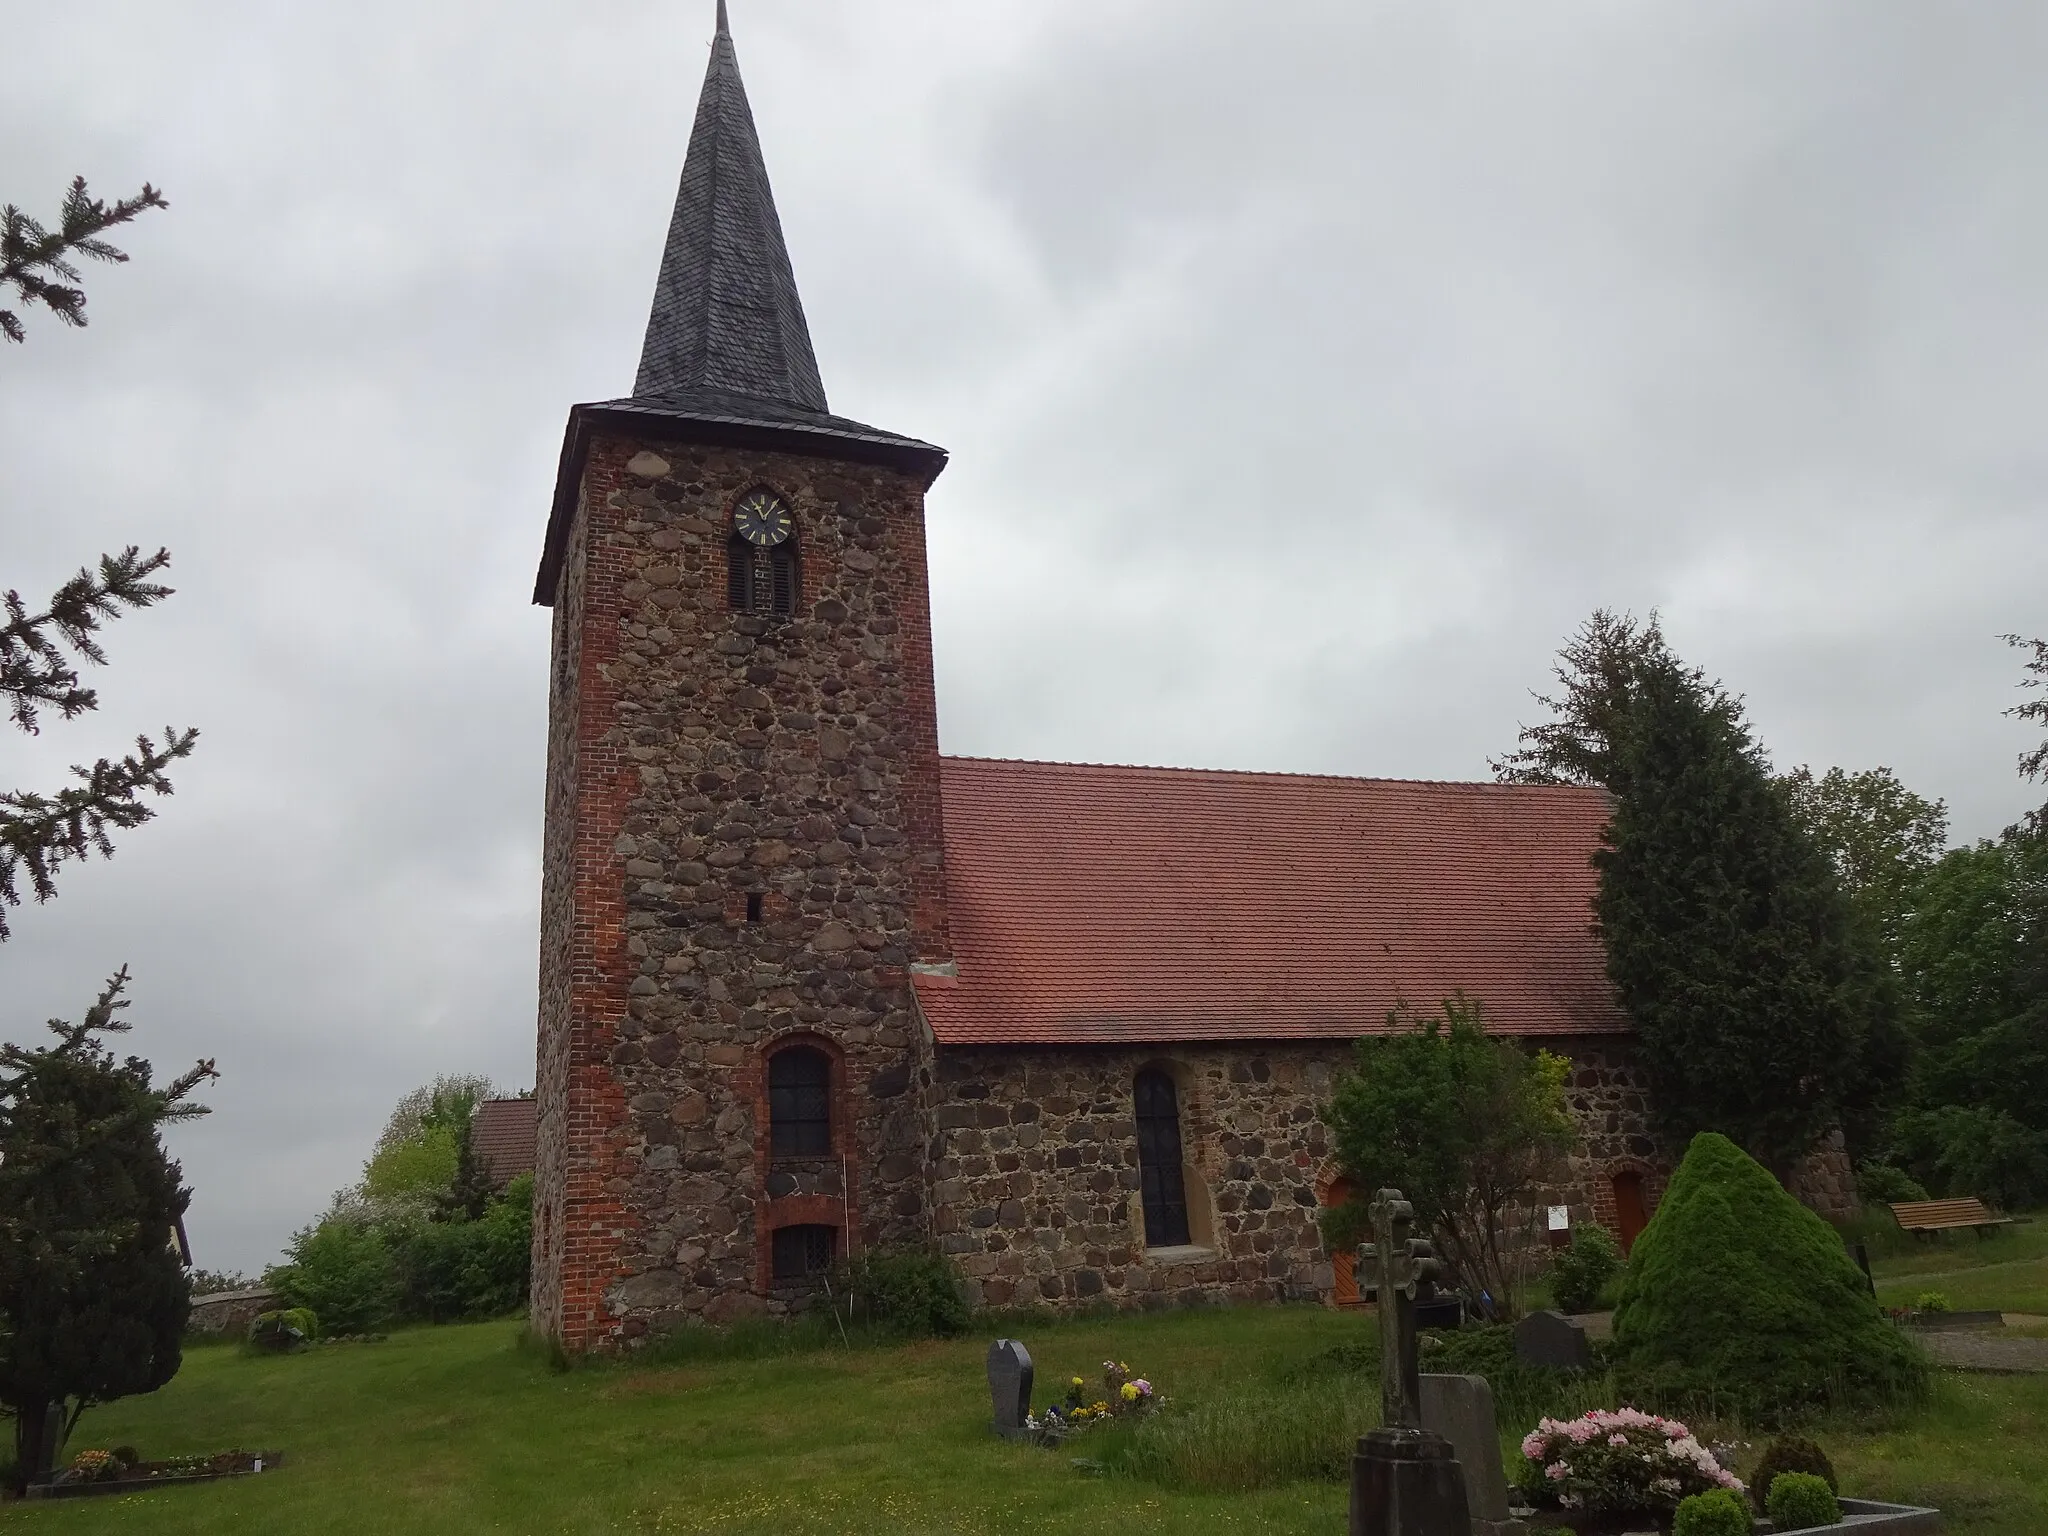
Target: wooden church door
1629	1214
1344	1261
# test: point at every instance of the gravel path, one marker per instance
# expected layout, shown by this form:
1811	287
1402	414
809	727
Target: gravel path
1987	1352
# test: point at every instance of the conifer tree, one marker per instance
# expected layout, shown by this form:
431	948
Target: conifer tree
93	1294
36	262
40	651
1728	938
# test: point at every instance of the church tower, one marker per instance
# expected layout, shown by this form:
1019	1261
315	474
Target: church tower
744	856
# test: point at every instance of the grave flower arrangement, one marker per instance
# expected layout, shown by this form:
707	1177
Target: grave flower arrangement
1122	1395
1619	1461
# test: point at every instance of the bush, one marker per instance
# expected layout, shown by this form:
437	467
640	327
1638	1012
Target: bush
1798	1500
1931	1301
1617	1461
1739	1297
281	1332
344	1271
1882	1184
911	1290
1790	1453
95	1467
456	1269
1579	1273
1717	1512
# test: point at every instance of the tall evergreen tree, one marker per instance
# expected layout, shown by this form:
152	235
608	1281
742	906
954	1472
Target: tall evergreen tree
93	1293
1728	938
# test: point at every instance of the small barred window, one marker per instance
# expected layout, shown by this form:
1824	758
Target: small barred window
796	1252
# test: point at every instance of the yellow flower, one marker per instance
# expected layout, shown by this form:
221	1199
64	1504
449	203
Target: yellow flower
1130	1393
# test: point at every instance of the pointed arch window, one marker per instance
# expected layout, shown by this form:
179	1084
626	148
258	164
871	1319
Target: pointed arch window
1159	1161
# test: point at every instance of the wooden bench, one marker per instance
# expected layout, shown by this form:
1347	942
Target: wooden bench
1946	1216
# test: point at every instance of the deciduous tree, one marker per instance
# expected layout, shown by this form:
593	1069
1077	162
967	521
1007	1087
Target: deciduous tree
1468	1126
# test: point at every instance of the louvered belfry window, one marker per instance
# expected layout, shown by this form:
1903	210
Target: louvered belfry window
761	580
800	1103
1159	1160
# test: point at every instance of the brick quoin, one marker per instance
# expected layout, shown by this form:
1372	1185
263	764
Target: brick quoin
745	849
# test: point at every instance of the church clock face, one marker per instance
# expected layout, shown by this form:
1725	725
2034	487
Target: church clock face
762	518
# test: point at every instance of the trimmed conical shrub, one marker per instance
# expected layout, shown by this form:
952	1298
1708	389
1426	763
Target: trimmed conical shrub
1737	1296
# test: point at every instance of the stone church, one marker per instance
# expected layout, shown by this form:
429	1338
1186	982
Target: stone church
809	986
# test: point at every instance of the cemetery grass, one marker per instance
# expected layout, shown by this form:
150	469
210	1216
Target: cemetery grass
456	1429
2005	1273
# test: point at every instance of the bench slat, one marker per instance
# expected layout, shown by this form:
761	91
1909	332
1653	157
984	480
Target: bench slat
1936	1215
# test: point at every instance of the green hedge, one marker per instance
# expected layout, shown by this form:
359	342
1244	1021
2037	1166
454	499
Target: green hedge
1739	1298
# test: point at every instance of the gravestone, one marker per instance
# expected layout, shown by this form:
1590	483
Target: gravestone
1405	1479
1009	1387
1460	1408
1552	1339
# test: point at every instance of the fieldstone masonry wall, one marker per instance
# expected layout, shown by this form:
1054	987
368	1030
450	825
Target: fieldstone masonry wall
1035	1174
1035	1167
699	758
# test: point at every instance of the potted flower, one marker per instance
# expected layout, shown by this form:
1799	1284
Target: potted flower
1616	1470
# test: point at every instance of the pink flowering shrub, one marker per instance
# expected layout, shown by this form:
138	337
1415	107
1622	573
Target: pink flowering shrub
1619	1460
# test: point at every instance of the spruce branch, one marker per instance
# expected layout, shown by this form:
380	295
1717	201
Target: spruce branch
38	834
35	261
34	669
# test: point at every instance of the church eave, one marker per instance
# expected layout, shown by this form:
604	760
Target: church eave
715	424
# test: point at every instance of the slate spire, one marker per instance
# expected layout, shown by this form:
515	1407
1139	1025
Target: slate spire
726	314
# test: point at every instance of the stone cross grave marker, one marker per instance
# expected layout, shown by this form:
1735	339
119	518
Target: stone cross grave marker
1405	1479
1009	1387
1400	1264
1552	1339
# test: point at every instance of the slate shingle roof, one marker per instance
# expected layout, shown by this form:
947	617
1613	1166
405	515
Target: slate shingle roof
727	358
1109	904
726	314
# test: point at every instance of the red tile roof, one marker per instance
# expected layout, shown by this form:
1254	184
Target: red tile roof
503	1134
1099	904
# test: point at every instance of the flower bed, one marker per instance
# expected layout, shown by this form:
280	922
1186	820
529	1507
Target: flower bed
94	1472
1611	1467
1123	1396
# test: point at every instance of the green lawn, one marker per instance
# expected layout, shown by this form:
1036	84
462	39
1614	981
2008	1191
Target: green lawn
455	1430
2006	1273
451	1430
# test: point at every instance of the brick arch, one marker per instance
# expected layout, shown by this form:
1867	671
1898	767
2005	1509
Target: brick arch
772	1211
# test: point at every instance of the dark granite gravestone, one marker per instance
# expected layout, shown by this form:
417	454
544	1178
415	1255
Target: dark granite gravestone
1552	1339
1460	1408
1009	1387
1405	1479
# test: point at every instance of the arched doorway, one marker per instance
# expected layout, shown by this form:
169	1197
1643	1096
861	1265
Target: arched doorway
1631	1215
1343	1261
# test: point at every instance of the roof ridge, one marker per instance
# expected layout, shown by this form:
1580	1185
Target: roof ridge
1261	773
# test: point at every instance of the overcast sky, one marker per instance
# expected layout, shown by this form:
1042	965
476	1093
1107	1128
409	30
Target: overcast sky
1310	371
